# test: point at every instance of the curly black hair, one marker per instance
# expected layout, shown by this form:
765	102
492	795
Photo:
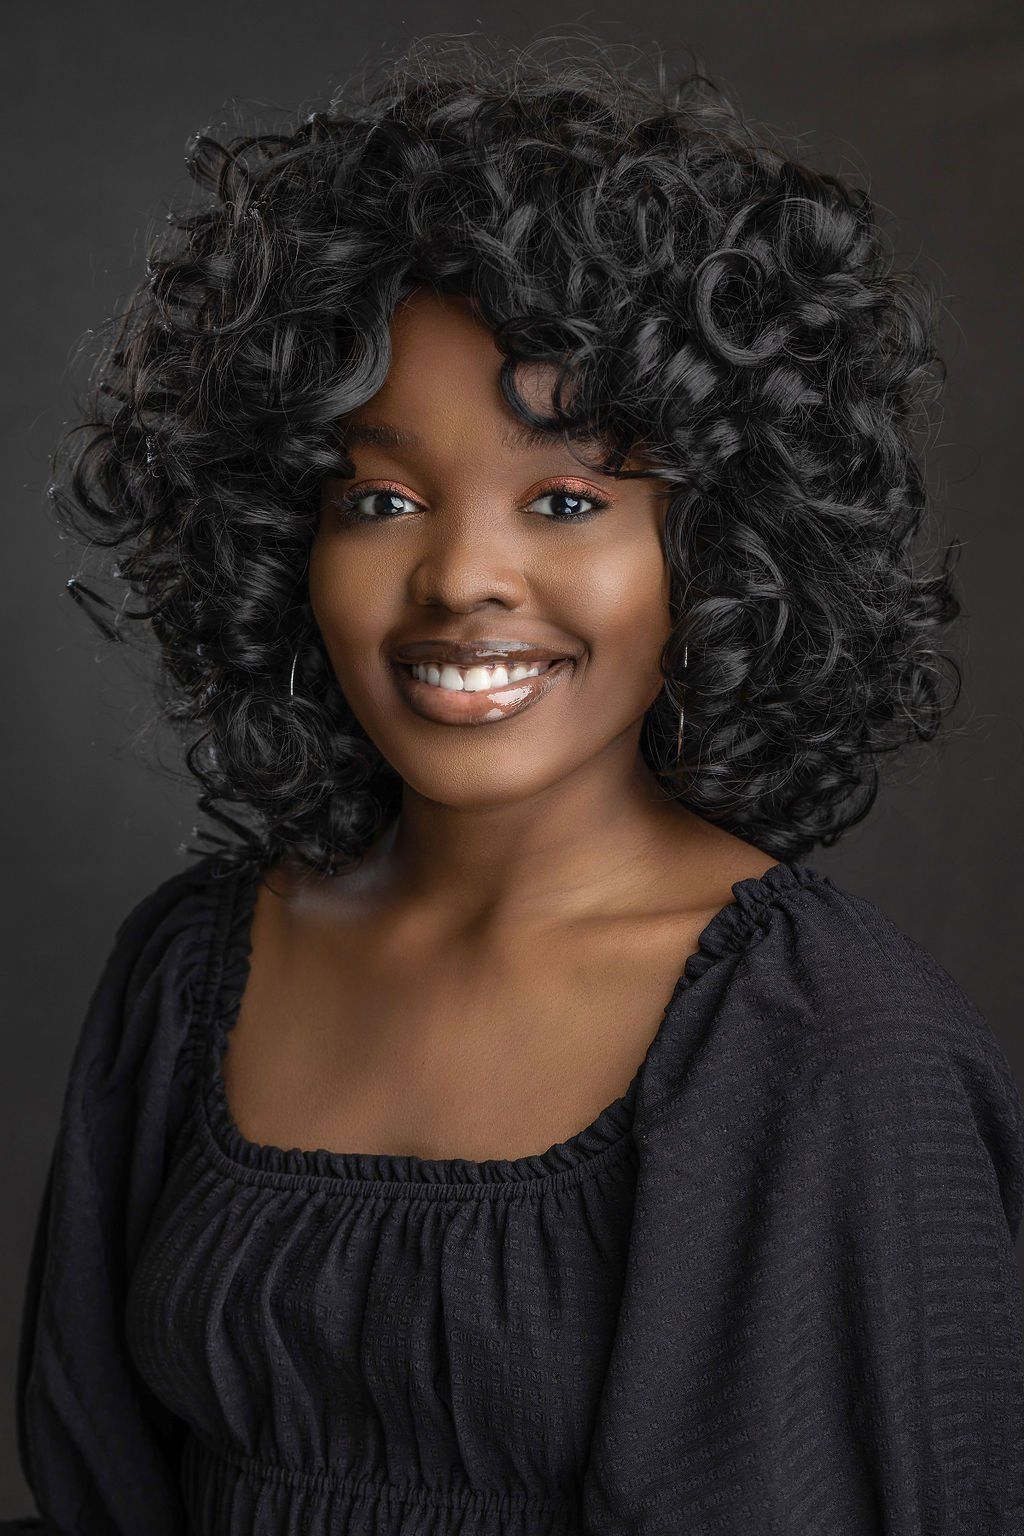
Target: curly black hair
735	313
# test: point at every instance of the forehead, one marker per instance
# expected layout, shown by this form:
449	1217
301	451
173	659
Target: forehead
442	338
517	437
443	376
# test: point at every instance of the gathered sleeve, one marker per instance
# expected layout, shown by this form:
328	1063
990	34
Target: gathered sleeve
822	1331
98	1451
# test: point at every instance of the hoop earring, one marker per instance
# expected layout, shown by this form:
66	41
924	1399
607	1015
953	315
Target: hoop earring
682	712
291	681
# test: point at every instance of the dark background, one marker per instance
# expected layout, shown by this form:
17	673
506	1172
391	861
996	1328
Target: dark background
919	99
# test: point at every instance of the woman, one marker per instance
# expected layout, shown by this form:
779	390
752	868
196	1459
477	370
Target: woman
506	1132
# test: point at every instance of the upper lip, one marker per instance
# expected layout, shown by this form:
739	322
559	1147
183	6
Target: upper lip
468	653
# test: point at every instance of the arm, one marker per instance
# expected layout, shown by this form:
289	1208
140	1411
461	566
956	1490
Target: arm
822	1326
98	1451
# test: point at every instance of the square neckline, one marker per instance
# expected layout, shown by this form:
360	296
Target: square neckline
607	1136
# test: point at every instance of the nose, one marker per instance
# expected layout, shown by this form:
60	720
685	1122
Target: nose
468	559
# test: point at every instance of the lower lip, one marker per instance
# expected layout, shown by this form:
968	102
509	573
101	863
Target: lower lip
455	706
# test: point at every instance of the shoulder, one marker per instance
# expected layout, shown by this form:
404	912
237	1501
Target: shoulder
155	974
869	983
180	911
797	974
815	1028
841	955
894	1024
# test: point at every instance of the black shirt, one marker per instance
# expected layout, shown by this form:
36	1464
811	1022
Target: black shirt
770	1289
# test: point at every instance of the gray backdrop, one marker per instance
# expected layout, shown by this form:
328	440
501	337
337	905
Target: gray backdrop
921	97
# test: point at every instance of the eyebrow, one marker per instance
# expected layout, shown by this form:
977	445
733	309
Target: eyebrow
522	435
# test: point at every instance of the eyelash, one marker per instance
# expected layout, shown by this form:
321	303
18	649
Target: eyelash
349	501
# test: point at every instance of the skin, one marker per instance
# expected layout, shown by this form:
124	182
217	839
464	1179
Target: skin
491	976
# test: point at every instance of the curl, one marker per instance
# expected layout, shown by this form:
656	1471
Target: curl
735	314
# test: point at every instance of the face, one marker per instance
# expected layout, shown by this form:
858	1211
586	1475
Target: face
450	531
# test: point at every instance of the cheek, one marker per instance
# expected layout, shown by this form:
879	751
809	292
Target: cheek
627	599
349	596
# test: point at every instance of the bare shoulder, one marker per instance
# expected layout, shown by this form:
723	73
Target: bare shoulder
705	862
732	857
292	893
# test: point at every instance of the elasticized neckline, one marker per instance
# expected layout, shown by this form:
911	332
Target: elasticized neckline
232	903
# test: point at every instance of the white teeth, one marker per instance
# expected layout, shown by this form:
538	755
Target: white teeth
452	678
472	679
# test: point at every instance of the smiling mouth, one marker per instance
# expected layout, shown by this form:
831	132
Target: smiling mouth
478	706
418	669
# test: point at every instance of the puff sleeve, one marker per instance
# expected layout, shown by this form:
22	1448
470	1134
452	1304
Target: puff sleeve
98	1451
821	1332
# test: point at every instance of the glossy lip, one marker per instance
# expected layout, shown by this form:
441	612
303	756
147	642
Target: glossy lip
482	706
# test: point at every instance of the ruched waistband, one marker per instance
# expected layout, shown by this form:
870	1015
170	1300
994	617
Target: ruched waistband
228	1493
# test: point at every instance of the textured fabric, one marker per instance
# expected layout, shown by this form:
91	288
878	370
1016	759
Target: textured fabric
771	1289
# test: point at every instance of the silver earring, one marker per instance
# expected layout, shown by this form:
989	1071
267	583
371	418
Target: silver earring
682	712
291	682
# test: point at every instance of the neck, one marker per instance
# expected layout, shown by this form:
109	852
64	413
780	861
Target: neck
587	843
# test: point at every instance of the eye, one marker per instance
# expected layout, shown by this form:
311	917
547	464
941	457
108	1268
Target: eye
576	507
388	497
386	502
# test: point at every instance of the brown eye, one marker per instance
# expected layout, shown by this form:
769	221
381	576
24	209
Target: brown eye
571	505
388	502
